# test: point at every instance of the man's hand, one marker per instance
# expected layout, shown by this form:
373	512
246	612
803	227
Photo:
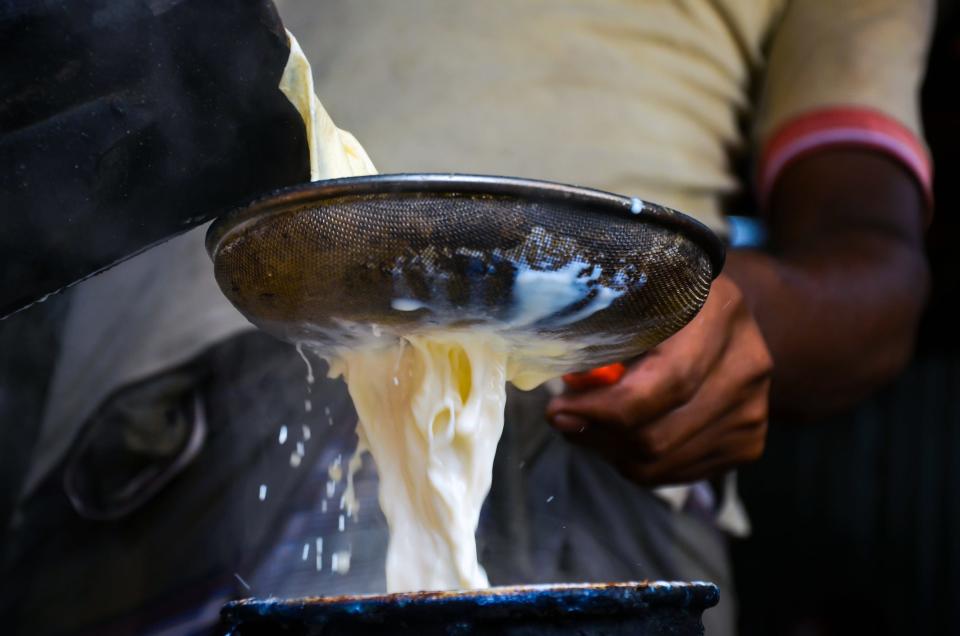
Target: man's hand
837	295
691	408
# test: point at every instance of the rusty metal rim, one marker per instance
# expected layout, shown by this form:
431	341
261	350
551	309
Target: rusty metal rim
452	184
571	600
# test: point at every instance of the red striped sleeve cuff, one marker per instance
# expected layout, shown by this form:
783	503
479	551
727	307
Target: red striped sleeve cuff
848	127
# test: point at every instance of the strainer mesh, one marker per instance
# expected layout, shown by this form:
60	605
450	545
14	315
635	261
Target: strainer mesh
314	268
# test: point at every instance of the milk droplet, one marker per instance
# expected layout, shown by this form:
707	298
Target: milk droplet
335	471
406	304
340	562
242	582
306	361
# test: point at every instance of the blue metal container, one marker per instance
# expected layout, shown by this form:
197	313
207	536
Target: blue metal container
615	609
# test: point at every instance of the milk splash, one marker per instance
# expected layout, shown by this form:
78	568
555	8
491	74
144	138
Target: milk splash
433	437
431	409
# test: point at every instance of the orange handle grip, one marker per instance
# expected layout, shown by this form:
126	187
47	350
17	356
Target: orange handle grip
601	376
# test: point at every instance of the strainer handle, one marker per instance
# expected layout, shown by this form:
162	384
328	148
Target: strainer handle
594	378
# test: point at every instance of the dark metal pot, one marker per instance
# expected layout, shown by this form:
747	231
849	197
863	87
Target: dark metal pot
616	609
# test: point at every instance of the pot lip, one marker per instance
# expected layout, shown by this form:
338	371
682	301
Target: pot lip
568	599
461	184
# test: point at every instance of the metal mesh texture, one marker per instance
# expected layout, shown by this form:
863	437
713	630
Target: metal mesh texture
323	269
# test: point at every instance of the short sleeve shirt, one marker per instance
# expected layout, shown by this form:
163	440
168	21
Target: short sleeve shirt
649	98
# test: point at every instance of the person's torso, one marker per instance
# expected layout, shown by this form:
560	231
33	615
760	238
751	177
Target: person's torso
637	97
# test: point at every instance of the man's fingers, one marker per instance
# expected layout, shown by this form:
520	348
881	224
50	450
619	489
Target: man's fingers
654	385
723	397
737	391
692	462
680	446
691	408
739	438
668	376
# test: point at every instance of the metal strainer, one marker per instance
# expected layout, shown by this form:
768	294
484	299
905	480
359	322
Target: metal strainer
336	261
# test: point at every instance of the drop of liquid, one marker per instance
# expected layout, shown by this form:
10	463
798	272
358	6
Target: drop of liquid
306	361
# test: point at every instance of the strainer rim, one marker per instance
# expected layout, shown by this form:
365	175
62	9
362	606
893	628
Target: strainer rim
532	190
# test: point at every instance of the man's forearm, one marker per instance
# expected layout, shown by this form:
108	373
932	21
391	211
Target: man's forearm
839	295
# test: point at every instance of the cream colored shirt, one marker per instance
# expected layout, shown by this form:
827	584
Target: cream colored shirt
641	97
